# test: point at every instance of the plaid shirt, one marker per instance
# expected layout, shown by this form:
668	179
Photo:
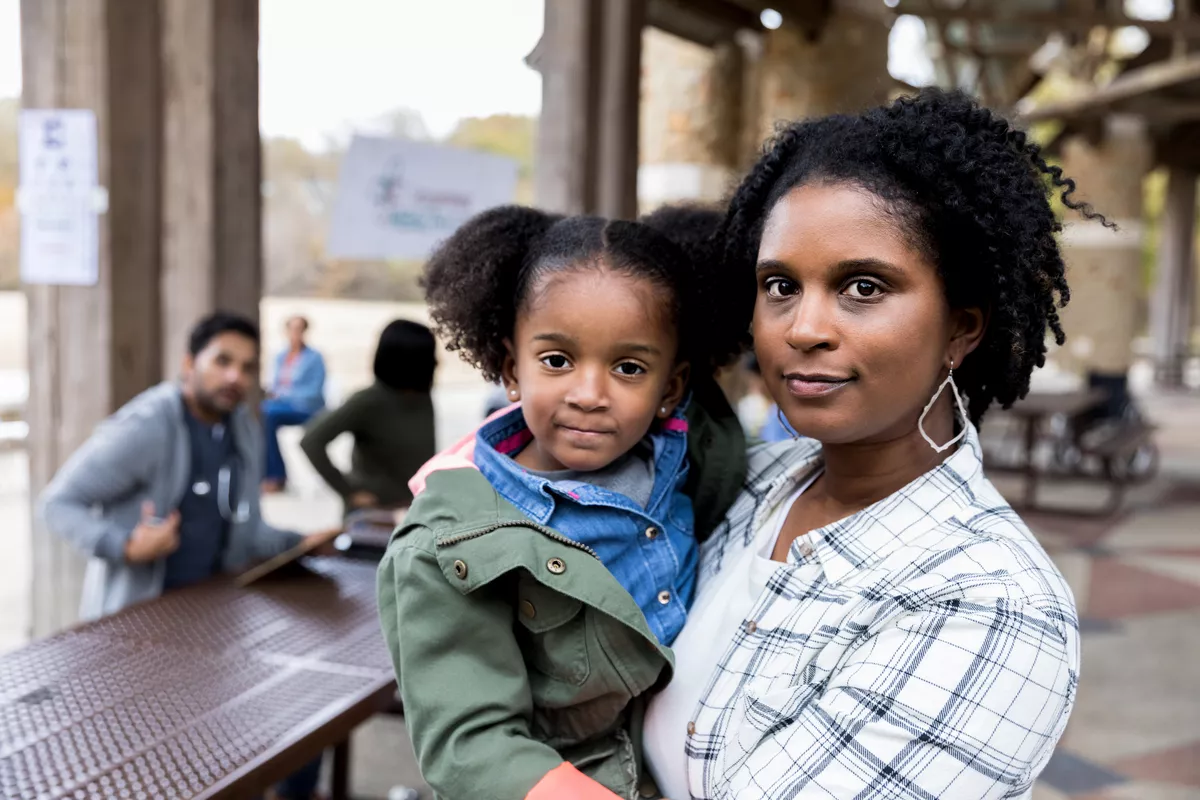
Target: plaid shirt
923	648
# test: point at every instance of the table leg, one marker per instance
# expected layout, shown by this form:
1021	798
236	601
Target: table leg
340	783
1031	473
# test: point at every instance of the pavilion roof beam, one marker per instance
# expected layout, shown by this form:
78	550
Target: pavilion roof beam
1132	86
1007	14
705	22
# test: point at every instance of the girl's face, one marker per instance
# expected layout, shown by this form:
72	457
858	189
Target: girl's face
592	360
851	326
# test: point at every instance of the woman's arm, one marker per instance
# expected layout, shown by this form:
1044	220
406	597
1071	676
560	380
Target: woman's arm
467	701
323	429
963	699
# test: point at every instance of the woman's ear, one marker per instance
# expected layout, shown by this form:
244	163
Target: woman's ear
508	373
968	325
676	386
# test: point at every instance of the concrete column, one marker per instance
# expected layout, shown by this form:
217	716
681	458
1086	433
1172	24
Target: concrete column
91	348
1104	267
212	166
1174	291
843	68
692	113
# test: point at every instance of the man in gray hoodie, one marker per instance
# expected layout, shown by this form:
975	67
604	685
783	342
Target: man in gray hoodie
165	492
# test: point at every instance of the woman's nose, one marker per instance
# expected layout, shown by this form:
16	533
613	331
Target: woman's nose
814	324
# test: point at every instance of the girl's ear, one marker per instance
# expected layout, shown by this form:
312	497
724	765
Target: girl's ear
676	386
508	373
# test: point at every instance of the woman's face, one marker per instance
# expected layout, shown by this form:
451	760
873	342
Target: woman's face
851	325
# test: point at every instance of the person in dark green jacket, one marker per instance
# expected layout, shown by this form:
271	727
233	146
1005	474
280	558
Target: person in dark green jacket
391	421
530	595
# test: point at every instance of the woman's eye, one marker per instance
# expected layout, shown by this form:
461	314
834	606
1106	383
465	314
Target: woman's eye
628	368
555	361
863	288
781	287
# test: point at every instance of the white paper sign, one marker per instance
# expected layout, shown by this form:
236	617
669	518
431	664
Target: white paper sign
398	199
59	198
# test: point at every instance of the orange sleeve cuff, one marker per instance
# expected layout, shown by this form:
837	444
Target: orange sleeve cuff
565	782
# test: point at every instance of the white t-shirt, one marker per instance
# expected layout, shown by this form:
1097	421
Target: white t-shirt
700	646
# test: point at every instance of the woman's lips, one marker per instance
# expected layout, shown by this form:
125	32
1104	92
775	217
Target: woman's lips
814	386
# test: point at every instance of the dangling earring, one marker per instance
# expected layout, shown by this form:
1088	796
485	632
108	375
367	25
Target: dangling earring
783	423
962	412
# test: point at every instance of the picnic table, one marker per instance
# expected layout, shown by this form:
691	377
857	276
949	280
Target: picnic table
1112	446
213	691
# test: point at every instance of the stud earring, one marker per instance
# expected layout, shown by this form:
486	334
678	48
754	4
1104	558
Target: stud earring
959	407
512	393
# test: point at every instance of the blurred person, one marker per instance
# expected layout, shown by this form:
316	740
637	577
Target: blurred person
164	493
392	422
297	392
760	415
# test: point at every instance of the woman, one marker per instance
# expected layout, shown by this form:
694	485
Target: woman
873	620
297	393
391	421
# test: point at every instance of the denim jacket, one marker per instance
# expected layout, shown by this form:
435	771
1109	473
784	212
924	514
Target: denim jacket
652	552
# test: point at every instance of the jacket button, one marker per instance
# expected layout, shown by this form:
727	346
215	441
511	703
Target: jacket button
664	597
460	569
691	728
647	789
806	549
652	532
751	626
527	610
557	566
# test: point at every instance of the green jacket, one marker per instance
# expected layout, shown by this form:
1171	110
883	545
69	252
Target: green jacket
514	648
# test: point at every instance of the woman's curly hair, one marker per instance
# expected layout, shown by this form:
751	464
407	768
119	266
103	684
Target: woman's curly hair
482	276
970	191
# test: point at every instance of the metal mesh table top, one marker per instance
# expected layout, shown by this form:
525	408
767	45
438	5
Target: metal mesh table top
179	696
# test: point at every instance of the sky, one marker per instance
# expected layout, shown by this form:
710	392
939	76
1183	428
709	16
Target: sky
330	66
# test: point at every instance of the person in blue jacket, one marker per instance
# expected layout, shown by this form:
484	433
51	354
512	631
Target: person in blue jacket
297	392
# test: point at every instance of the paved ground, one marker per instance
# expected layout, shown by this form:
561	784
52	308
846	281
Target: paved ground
1135	734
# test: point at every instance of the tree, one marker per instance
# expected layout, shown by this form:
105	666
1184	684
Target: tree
504	135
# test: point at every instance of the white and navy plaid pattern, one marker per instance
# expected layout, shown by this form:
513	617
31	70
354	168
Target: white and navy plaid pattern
924	648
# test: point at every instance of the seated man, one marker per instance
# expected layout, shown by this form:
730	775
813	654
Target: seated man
165	492
297	393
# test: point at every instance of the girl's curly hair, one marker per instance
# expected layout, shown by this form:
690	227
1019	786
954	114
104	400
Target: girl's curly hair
481	277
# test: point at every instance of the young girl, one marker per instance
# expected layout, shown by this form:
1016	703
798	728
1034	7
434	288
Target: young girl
531	593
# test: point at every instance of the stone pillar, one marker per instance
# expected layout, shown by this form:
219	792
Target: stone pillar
1175	284
840	67
91	348
212	165
692	113
1104	267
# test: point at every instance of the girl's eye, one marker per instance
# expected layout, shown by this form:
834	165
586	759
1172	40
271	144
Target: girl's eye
629	369
555	361
781	287
863	288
